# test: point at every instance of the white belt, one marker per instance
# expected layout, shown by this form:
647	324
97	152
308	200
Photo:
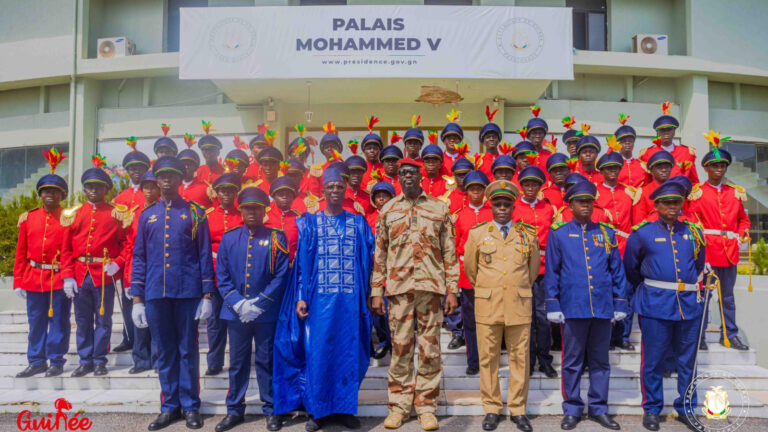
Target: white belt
214	254
621	233
729	234
542	253
675	286
41	266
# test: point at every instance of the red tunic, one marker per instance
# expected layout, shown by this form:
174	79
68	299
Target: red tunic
448	161
367	176
632	173
541	214
456	200
371	219
467	218
619	202
594	176
315	181
435	187
40	240
130	239
196	191
554	194
254	170
685	160
361	197
598	215
207	174
487	160
132	198
93	230
219	222
724	221
644	206
286	221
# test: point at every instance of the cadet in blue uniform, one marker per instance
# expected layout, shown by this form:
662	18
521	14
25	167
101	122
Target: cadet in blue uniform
586	288
172	272
663	261
252	271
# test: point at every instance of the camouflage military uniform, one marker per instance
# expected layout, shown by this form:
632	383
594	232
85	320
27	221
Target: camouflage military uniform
415	258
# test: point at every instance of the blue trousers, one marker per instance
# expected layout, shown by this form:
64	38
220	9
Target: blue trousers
174	329
590	336
381	325
93	329
242	339
217	334
541	330
727	277
470	327
658	336
144	352
622	330
48	337
453	321
128	327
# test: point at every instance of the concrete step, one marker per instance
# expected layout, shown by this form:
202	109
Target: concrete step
370	402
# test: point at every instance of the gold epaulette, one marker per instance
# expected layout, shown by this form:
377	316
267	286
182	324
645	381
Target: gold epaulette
557	217
252	183
312	203
22	218
450	183
120	213
211	210
210	192
634	192
316	170
691	150
558	225
642	152
446	197
739	191
608	213
696	193
540	196
359	208
68	215
640	225
478	225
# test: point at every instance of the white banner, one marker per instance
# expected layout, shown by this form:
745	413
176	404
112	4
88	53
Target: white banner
376	42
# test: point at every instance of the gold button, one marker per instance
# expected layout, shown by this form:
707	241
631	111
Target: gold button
247	295
247	275
674	251
591	287
674	242
247	285
589	268
166	227
679	280
90	236
249	256
249	265
677	260
167	265
586	248
587	258
167	245
167	255
167	217
167	235
590	277
678	270
505	272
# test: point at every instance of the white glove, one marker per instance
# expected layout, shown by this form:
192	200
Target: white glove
619	316
250	311
20	292
70	287
556	317
139	315
111	268
707	267
204	309
127	292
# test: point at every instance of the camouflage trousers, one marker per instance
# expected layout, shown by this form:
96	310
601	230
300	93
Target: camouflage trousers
417	311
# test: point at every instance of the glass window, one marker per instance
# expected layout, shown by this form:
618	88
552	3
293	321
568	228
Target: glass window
173	24
750	170
21	163
589	24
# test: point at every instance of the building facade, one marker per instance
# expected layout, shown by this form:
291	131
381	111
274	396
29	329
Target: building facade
55	91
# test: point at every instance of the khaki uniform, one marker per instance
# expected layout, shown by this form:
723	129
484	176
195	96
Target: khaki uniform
415	259
502	272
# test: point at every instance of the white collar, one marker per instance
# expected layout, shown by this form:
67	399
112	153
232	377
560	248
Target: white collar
529	203
476	209
611	188
187	183
669	148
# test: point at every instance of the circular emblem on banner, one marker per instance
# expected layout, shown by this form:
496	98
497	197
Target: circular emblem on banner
232	39
722	403
520	40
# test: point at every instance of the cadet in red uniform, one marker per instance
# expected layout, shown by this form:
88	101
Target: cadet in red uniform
269	160
632	172
599	214
660	167
165	146
537	130
720	207
237	162
685	157
413	139
191	188
525	153
211	148
540	214
451	135
390	156
329	144
256	144
587	151
371	145
37	276
477	211
282	213
615	197
93	255
381	193
570	136
457	198
434	183
355	190
504	168
490	137
558	170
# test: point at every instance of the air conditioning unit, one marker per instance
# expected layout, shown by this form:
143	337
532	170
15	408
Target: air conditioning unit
115	47
650	44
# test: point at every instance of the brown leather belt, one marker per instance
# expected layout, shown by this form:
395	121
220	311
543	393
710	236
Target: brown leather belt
90	260
42	266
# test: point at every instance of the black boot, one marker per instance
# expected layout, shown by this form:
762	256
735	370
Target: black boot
54	370
164	420
194	419
83	370
381	352
569	422
229	422
274	423
490	422
548	370
737	344
124	346
457	342
651	421
606	421
32	370
522	423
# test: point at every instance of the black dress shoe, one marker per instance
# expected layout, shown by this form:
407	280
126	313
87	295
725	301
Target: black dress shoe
32	370
381	352
456	342
522	423
736	344
274	423
569	422
684	420
312	425
229	422
213	371
626	345
490	422
164	420
703	345
349	421
651	421
667	373
194	419
136	369
83	370
548	370
124	346
606	421
54	370
100	370
473	370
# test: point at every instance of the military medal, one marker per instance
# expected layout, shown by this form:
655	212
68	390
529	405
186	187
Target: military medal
488	258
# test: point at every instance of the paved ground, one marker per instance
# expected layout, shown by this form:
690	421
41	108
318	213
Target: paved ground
114	422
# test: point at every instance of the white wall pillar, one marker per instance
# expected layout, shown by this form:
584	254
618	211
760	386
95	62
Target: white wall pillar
693	97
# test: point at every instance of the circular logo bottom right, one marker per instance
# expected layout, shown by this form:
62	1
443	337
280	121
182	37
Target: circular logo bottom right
722	404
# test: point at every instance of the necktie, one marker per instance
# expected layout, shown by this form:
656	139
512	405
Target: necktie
504	231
